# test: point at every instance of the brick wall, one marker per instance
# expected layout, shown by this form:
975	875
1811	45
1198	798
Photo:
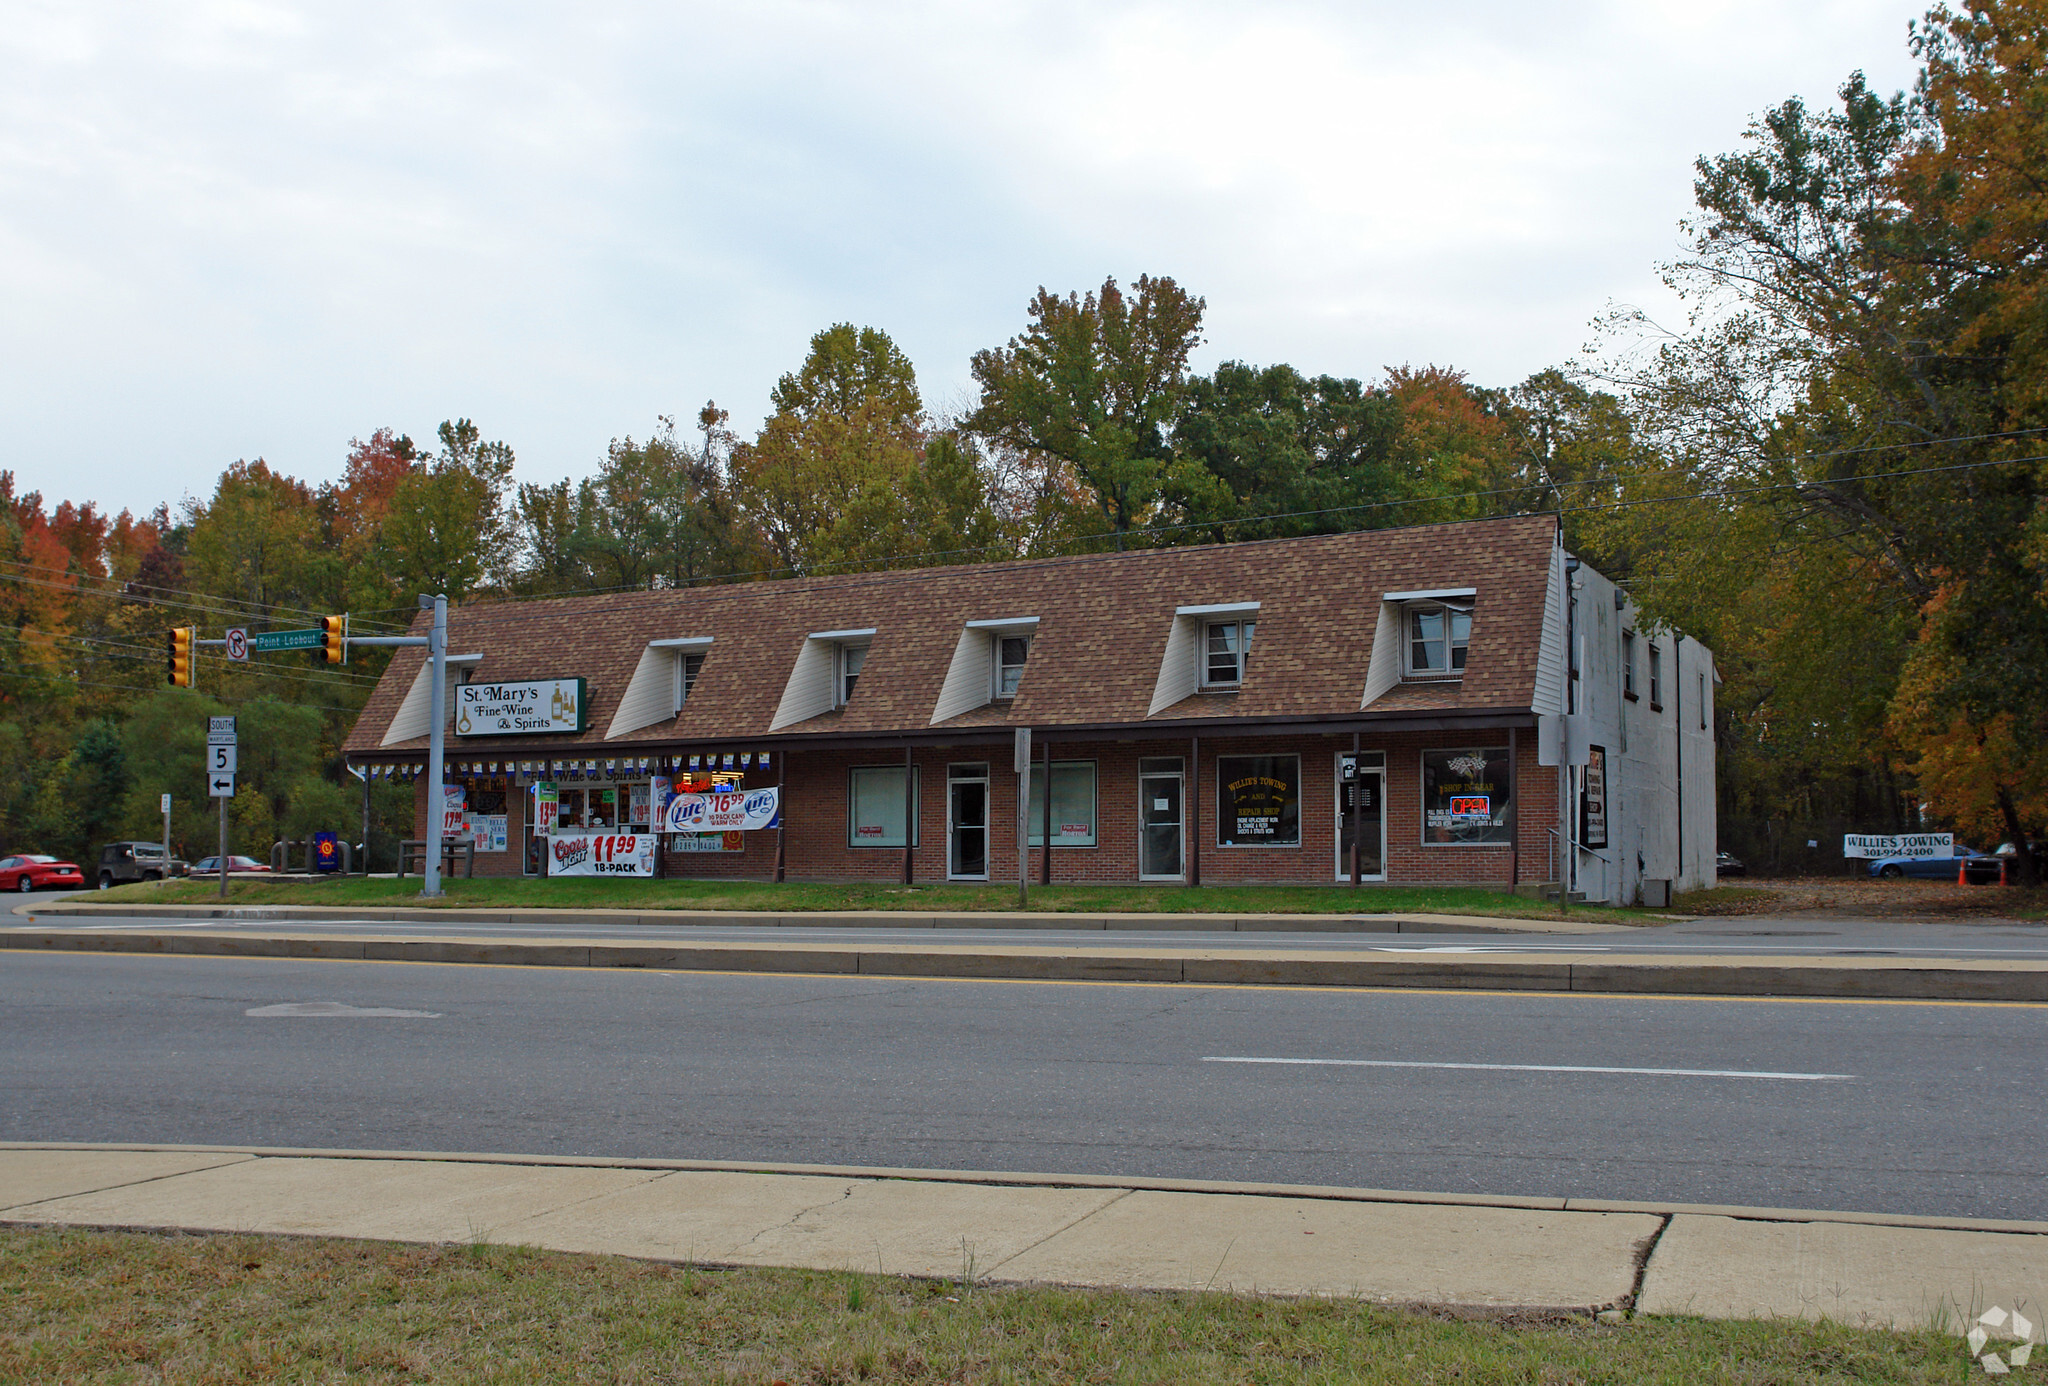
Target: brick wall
816	809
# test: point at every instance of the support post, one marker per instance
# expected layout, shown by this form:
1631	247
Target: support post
1351	789
223	849
349	868
167	837
1045	877
1514	814
909	813
782	813
437	657
1021	763
1194	823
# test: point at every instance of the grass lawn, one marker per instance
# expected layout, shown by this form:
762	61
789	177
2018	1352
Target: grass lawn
117	1307
585	893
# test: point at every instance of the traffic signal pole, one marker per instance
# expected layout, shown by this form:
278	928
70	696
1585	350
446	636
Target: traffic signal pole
332	648
436	643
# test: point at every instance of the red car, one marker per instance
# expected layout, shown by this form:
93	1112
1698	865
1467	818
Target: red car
39	873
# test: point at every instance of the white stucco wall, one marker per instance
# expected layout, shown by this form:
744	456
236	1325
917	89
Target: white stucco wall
1660	758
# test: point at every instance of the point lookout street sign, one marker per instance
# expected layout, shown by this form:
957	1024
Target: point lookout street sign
516	709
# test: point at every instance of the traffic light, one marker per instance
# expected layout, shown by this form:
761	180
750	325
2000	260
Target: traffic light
333	641
178	666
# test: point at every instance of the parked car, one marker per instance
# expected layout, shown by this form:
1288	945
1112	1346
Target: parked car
33	872
1727	864
121	862
1925	868
210	866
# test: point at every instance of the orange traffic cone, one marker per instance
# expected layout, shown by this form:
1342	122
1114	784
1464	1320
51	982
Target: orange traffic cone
1962	871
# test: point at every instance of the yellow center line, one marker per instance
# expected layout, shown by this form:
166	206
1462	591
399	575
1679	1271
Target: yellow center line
1472	992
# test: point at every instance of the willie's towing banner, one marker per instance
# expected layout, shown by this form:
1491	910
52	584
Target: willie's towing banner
1899	845
724	811
601	854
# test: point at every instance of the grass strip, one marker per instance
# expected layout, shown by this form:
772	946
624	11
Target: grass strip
581	893
79	1306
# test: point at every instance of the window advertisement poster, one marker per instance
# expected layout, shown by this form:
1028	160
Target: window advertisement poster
707	842
454	808
1465	796
639	800
601	854
1073	804
1593	798
1258	801
724	811
547	805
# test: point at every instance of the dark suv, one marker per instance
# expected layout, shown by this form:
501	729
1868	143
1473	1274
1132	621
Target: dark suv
121	862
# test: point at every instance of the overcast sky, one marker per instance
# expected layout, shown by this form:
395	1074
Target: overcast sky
233	228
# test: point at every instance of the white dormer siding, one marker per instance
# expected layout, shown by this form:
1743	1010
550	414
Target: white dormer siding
1548	698
812	688
1180	668
1383	668
970	678
650	695
415	715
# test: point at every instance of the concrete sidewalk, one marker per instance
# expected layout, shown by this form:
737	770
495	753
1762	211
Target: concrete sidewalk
1152	1234
1120	960
1401	923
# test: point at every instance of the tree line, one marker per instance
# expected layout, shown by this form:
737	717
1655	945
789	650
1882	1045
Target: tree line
1831	474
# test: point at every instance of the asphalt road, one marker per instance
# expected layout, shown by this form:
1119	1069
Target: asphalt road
1924	1108
1795	935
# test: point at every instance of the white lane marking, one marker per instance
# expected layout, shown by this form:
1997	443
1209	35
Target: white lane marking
336	1008
1545	1068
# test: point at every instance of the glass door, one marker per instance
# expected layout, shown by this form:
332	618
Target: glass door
967	822
1361	809
1161	832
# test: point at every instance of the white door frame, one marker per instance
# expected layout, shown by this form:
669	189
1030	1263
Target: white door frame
1182	778
1379	772
983	780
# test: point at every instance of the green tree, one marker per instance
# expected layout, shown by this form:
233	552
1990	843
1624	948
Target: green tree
1255	442
1095	380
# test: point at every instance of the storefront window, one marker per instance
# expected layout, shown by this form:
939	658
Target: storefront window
875	807
1465	796
1258	801
1073	804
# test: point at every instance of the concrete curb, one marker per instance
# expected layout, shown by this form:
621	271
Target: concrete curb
1901	979
1027	1179
1405	923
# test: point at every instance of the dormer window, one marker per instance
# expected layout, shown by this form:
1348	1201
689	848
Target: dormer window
1226	648
1437	636
851	660
1010	654
688	666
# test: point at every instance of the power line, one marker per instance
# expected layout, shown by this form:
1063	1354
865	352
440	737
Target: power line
217	604
325	677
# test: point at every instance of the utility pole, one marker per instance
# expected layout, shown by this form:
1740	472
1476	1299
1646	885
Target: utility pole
1023	766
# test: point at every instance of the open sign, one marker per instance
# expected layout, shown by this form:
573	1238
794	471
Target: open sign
1471	806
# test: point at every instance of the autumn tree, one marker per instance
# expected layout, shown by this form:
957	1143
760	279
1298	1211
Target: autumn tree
450	525
846	435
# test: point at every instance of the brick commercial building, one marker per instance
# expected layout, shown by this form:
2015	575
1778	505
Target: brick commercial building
1229	713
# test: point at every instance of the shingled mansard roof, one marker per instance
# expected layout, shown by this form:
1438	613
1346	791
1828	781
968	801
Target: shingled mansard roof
1096	660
